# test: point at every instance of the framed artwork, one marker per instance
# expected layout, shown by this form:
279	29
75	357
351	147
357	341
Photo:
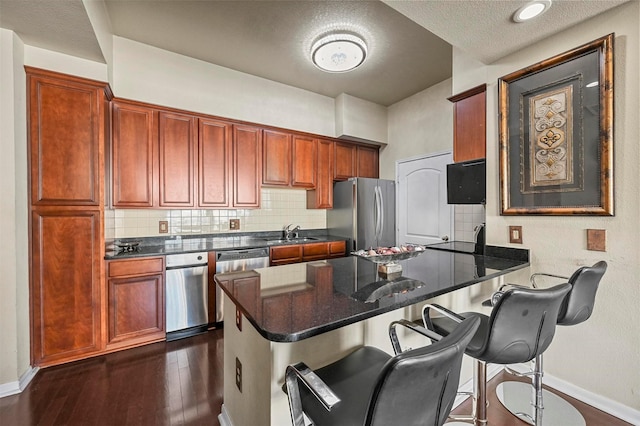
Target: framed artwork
556	134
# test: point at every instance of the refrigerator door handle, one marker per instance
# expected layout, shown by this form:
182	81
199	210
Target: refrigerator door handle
381	213
378	197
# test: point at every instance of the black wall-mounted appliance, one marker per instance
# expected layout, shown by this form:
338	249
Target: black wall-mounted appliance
467	182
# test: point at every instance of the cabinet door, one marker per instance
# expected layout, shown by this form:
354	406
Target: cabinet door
469	128
214	161
136	309
337	248
133	147
368	162
65	285
283	255
345	161
276	158
177	159
66	139
247	166
305	155
315	251
322	196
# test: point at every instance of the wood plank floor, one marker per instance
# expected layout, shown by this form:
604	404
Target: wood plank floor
175	383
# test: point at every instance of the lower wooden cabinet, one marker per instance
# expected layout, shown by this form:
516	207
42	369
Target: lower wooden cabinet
295	253
135	298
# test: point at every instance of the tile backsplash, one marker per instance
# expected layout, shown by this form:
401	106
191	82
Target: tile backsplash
279	207
467	217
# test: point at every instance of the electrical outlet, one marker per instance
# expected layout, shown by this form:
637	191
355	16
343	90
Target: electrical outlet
238	319
515	234
234	223
239	374
163	226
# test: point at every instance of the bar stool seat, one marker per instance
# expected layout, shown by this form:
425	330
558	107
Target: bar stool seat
370	387
576	308
520	328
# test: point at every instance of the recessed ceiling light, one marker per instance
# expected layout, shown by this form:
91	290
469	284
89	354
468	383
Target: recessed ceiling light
338	52
531	10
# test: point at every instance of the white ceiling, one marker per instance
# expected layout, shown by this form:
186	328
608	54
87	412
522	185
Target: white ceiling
272	39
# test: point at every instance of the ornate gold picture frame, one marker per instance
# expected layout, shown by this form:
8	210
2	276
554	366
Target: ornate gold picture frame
556	134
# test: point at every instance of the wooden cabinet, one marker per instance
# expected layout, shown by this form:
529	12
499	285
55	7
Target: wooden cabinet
68	120
322	196
282	255
214	163
368	162
67	130
135	295
345	163
65	284
353	160
276	158
177	153
469	124
295	253
305	154
133	152
247	165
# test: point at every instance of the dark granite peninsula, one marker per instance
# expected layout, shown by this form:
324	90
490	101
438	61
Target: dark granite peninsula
319	311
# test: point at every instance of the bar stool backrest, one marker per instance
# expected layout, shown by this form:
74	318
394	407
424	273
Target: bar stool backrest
578	305
522	324
419	386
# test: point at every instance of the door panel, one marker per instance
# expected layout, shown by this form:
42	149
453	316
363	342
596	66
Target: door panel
214	161
177	154
424	217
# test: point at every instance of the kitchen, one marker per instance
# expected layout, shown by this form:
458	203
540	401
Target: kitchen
134	84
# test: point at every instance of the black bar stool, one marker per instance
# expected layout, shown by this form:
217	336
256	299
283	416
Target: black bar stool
576	308
521	327
370	387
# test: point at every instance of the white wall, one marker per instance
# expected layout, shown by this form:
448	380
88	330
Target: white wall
14	271
357	119
600	355
418	125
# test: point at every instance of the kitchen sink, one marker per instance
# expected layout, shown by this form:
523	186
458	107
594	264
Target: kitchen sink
292	240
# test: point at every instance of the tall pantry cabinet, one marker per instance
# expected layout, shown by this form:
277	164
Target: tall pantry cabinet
67	132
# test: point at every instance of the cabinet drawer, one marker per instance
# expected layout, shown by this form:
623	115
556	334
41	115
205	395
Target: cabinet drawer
337	248
127	267
285	254
315	251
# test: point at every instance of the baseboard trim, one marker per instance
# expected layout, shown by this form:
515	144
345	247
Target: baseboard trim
600	402
17	386
224	418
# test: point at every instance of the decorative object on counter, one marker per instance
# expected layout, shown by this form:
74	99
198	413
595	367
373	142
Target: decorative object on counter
387	258
556	134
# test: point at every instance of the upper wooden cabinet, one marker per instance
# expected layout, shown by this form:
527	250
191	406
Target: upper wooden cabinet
305	155
247	165
288	160
345	164
276	158
133	152
368	162
214	163
469	128
322	196
67	128
177	149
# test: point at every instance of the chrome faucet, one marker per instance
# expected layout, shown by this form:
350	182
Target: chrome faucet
289	233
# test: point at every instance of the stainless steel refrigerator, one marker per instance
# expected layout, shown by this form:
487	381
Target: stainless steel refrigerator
364	210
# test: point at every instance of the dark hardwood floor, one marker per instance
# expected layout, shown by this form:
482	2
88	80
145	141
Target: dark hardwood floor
178	382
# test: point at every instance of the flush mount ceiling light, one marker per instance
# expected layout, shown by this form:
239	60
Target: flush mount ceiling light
338	52
531	10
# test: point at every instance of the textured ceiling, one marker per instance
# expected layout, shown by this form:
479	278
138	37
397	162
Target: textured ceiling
272	39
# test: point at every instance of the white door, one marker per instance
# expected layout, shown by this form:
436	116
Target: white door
424	217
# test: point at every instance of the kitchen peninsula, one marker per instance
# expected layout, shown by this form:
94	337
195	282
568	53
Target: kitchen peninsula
317	312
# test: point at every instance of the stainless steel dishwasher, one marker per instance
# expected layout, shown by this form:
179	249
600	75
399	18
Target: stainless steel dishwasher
186	294
235	261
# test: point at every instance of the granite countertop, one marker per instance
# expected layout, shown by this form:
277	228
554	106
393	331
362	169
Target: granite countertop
294	302
155	246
